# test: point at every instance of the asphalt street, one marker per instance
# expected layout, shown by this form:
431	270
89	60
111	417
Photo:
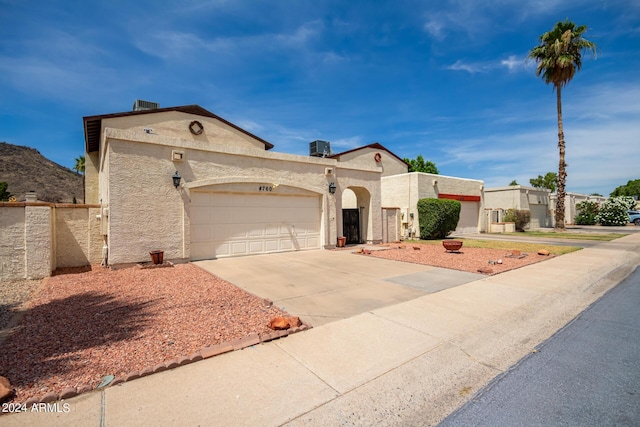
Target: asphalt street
587	374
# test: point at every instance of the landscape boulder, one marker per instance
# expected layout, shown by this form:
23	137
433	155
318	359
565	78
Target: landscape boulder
281	322
6	391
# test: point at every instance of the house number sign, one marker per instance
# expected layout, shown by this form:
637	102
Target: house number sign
265	188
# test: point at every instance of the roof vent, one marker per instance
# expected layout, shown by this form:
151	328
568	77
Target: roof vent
319	148
140	105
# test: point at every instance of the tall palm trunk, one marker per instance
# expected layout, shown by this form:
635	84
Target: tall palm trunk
562	172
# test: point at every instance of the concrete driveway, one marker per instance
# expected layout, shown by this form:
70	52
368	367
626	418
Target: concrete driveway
325	286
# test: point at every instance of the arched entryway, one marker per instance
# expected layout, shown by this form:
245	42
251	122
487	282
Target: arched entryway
356	205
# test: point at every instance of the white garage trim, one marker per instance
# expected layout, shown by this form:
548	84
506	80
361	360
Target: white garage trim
227	224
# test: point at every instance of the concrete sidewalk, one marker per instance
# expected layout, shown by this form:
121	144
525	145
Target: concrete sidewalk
411	363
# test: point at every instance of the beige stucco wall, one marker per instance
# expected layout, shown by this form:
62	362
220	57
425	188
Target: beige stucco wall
12	242
36	238
535	200
91	183
77	236
364	157
405	190
175	124
147	213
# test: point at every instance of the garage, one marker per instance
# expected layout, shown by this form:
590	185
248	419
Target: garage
227	224
468	222
538	216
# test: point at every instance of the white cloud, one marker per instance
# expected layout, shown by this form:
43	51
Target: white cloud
512	62
459	65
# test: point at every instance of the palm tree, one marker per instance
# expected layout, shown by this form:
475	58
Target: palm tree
559	56
79	168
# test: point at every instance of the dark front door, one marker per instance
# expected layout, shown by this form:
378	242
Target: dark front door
351	225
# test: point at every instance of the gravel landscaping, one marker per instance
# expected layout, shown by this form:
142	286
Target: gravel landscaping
467	259
86	323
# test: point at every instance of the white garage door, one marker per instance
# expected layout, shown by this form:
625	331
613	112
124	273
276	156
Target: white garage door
232	224
468	222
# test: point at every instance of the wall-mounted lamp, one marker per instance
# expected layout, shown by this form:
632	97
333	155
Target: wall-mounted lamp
176	179
332	188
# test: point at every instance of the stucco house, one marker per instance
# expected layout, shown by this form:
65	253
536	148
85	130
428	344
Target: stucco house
233	196
536	200
405	189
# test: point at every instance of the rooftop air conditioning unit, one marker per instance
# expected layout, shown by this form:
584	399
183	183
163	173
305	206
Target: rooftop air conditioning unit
140	105
319	148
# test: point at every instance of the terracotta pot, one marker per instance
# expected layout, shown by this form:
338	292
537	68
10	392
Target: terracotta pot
157	257
452	245
342	241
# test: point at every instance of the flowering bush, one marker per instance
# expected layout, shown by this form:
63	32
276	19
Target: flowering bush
614	211
587	212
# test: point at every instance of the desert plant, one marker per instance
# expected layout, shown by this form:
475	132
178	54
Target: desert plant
614	211
587	212
4	194
437	217
521	217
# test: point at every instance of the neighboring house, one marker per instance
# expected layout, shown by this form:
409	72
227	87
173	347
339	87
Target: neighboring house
535	200
571	202
404	191
235	197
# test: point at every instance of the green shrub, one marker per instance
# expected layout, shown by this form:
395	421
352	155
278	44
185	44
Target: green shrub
614	211
437	217
587	212
521	217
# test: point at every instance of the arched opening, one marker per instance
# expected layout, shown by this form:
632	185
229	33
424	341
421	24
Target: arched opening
356	208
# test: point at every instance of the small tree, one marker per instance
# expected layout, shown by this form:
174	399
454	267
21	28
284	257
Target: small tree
419	165
548	181
587	213
4	194
514	182
437	217
614	211
520	217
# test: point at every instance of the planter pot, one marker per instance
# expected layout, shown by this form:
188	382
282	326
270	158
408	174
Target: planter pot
157	257
342	241
452	245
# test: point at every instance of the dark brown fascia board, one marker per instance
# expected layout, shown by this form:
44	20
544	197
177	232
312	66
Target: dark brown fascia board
93	124
374	145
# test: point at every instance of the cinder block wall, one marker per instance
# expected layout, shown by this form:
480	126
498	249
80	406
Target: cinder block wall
36	238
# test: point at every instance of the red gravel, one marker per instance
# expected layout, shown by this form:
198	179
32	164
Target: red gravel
467	259
84	325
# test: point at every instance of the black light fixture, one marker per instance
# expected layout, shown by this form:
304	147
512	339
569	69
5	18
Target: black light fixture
332	188
176	179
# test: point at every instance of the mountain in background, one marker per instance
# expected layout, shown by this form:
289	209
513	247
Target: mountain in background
25	169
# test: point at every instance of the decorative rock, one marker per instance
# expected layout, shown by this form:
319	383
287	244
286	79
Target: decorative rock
485	270
516	252
68	393
49	397
416	248
281	323
543	252
6	391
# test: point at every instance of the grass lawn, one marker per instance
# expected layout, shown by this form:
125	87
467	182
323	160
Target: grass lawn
507	246
599	237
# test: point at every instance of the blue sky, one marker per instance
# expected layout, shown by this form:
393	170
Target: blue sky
444	79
